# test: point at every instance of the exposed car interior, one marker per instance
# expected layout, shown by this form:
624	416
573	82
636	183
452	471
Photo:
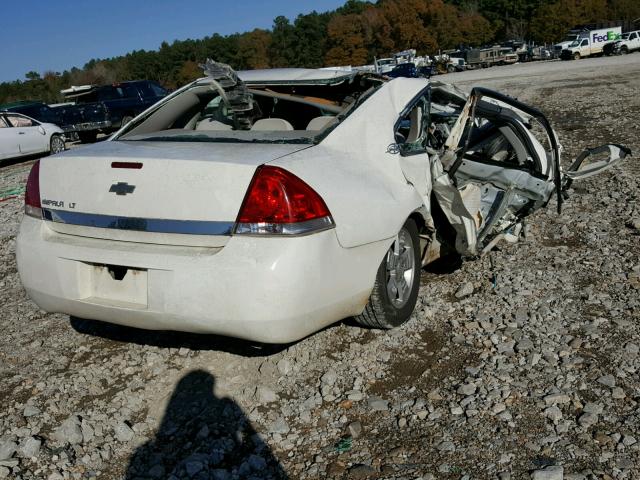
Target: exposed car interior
485	149
302	110
17	120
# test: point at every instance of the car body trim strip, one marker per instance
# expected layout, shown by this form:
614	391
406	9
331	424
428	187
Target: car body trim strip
155	225
291	229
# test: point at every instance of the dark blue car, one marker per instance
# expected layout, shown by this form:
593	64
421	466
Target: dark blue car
409	70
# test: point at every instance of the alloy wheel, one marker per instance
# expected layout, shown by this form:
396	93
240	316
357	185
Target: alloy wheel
57	145
401	269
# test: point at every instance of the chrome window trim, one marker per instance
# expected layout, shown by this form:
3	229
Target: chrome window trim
154	225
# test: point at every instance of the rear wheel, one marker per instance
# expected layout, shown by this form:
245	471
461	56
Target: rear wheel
56	145
395	291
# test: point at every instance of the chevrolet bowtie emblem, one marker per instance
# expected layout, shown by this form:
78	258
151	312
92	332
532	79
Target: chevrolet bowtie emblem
122	188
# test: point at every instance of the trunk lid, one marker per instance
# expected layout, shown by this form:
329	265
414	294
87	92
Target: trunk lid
185	193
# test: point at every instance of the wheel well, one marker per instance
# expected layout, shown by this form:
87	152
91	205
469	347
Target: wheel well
445	232
419	220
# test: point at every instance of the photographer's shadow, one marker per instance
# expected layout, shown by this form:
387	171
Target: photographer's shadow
202	436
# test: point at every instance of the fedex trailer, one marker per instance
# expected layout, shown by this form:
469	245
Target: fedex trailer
591	42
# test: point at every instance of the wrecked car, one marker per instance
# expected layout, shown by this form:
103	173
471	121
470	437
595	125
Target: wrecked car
269	204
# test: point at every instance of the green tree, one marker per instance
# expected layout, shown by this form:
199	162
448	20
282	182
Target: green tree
308	40
282	38
551	22
253	49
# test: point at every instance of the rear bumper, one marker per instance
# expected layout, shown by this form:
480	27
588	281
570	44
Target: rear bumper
87	126
272	290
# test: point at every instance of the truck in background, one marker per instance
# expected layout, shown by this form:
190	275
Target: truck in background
456	64
105	108
629	42
386	65
485	57
532	53
590	42
571	37
35	109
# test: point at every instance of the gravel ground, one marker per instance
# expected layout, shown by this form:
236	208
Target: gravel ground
531	371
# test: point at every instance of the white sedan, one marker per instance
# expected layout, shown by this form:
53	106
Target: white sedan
273	203
21	135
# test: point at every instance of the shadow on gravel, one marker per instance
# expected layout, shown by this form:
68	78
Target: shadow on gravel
167	339
205	437
444	265
15	161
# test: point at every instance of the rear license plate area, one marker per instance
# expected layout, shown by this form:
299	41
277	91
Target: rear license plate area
119	285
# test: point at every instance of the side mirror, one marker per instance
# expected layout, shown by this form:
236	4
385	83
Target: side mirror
603	157
41	130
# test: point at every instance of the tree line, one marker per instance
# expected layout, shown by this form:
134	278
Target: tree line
353	34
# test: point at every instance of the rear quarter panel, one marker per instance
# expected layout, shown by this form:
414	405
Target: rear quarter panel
360	181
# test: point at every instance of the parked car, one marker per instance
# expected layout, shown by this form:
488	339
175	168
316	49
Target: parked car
407	70
427	71
629	42
269	204
104	109
21	135
534	53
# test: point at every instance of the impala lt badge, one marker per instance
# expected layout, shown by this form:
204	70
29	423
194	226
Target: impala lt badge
122	188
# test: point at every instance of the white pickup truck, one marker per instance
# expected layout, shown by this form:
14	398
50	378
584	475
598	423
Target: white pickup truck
591	42
629	42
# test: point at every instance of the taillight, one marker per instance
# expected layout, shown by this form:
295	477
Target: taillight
279	203
32	206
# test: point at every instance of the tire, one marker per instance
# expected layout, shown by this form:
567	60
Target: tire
451	68
88	136
576	56
388	307
624	50
56	144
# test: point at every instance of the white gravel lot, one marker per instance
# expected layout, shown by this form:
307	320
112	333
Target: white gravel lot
534	376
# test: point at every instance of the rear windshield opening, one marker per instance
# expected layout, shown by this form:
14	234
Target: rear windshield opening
207	112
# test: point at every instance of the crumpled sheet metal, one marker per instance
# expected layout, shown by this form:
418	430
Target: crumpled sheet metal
232	89
452	205
616	153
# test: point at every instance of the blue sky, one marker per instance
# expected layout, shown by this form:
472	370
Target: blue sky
56	35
